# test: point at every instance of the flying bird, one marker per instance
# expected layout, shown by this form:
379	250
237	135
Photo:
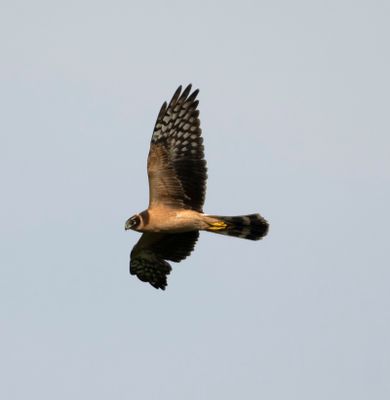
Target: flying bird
177	175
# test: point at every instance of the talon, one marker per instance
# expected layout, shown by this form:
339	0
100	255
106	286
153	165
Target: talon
217	226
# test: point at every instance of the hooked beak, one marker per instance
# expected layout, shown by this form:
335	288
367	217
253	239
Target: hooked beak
129	223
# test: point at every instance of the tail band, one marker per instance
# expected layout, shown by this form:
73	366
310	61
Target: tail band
252	226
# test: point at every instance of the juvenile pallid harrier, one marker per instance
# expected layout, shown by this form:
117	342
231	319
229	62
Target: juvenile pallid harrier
177	184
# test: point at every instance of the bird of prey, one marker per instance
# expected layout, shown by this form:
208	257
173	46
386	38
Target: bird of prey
177	184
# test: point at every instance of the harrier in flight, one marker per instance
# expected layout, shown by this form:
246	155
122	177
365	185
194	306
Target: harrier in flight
177	185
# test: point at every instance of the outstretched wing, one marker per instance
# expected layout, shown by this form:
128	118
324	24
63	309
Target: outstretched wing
176	166
147	259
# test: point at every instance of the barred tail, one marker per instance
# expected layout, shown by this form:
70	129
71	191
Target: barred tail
252	227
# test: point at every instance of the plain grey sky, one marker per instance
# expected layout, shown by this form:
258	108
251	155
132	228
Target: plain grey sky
294	101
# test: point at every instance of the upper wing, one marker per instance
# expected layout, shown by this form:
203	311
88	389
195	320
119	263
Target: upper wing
147	259
176	166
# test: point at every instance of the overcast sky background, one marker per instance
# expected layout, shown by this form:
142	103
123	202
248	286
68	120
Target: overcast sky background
294	102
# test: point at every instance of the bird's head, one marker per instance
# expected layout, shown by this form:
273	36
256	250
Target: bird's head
133	222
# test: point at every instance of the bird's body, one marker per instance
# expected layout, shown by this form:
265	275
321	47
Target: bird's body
171	220
177	184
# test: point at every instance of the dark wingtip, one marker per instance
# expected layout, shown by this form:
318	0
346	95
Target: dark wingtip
184	95
186	92
176	95
159	285
162	110
193	95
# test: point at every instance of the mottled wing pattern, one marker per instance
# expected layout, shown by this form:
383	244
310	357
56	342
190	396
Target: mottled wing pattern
147	259
176	165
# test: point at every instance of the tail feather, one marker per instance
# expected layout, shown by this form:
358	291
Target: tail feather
252	227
